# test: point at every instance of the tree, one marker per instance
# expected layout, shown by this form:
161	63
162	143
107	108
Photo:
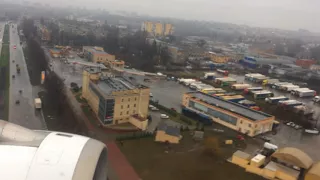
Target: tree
201	43
212	146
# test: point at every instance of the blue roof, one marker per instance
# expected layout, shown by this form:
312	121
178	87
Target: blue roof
170	130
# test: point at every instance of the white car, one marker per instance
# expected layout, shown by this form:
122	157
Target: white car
292	124
312	131
316	99
154	109
164	116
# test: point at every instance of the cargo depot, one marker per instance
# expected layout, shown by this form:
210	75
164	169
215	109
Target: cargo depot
229	114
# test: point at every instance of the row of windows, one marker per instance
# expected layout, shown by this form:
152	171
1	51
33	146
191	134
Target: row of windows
128	106
214	113
135	99
134	111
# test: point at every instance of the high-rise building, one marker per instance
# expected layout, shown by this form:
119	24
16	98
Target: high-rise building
157	29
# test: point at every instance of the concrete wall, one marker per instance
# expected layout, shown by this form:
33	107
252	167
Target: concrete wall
143	125
240	161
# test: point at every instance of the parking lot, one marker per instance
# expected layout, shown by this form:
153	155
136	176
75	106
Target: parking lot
169	94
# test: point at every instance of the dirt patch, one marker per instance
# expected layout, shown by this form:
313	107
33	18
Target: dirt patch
154	161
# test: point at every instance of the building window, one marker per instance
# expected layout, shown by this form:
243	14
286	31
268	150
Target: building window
134	105
120	113
128	105
249	125
121	106
127	112
135	98
121	100
129	99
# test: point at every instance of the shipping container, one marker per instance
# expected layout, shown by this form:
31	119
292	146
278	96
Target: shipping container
306	93
240	86
295	91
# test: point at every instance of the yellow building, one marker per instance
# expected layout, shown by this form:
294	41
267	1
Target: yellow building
98	55
231	115
284	164
314	172
216	57
115	100
168	29
158	29
166	133
148	27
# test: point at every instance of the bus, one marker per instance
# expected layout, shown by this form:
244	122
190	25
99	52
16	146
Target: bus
275	100
262	94
249	90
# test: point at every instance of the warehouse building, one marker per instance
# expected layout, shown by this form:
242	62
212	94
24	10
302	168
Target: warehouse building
115	100
98	55
229	114
285	164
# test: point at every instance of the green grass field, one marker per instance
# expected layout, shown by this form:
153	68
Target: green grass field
4	65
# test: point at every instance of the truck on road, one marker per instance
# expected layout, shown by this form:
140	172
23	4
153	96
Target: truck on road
37	103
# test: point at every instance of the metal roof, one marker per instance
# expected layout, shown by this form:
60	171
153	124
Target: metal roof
294	157
170	130
230	106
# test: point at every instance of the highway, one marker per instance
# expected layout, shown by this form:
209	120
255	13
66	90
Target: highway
24	113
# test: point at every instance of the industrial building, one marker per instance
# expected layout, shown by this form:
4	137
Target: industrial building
306	63
98	55
115	100
284	164
255	62
217	57
229	114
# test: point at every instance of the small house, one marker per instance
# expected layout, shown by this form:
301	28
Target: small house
166	133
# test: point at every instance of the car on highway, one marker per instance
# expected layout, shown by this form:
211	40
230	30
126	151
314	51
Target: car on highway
164	116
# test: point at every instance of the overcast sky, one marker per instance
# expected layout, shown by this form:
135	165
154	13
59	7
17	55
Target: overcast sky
287	14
